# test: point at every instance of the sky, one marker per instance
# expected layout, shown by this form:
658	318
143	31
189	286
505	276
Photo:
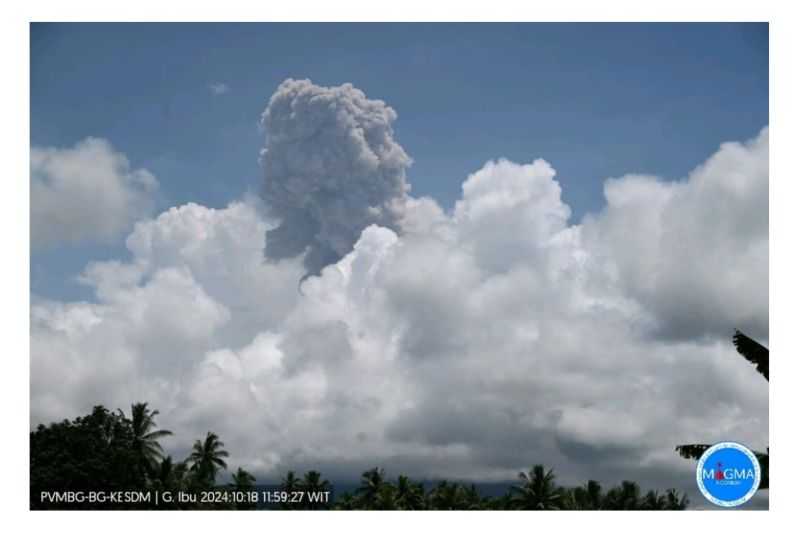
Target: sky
596	101
508	230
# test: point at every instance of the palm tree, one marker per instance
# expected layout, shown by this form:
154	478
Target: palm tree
594	495
207	458
758	355
447	496
473	501
653	501
346	502
165	474
410	496
145	437
371	483
676	502
537	490
629	495
613	499
753	352
387	498
505	502
242	480
312	486
587	497
169	476
289	484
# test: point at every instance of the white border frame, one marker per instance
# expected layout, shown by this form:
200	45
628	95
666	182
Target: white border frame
783	249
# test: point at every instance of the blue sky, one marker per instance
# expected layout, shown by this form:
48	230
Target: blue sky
596	101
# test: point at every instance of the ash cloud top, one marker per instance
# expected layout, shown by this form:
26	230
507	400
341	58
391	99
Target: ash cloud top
332	168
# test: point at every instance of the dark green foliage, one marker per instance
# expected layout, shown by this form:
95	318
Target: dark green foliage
106	451
206	459
145	438
369	492
537	490
313	483
753	352
94	452
243	481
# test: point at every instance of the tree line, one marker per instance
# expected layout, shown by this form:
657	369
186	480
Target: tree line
110	451
536	490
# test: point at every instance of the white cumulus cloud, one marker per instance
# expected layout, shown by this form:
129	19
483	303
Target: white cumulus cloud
87	193
466	343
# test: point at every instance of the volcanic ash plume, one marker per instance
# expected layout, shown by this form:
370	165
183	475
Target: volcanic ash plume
331	167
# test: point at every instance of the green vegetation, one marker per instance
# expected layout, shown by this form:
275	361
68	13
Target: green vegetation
107	451
536	491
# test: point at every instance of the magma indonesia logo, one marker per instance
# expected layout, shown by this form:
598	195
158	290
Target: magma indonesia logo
728	474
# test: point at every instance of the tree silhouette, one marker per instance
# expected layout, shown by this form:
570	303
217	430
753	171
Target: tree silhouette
289	484
588	497
753	352
654	501
675	501
104	450
537	490
207	458
312	484
409	495
758	355
447	496
369	490
242	480
93	452
346	502
145	437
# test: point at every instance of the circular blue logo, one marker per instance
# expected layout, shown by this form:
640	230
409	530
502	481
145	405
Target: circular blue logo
728	474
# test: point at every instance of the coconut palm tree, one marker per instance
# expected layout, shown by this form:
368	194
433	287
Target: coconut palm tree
758	355
170	476
290	482
371	483
629	497
537	490
207	458
594	494
313	482
242	480
472	499
409	495
146	447
675	501
753	352
346	502
447	496
654	501
387	498
587	497
312	486
165	474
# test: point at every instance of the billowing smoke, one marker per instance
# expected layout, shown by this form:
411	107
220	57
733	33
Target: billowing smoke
332	168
